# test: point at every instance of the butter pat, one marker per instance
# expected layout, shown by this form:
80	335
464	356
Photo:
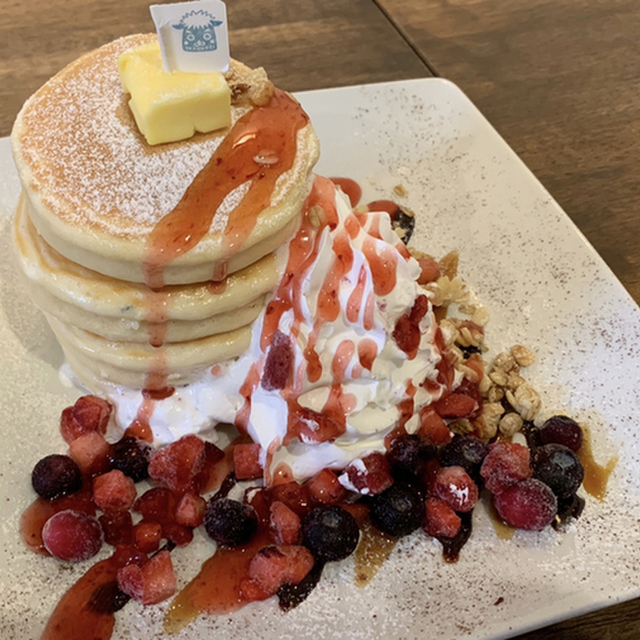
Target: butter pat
170	106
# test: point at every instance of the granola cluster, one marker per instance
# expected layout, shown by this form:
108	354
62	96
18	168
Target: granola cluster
508	399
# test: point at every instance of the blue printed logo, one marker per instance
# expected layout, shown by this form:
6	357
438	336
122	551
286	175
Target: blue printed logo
198	31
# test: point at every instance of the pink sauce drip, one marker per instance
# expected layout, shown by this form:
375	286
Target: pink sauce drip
273	126
351	189
367	352
340	404
354	304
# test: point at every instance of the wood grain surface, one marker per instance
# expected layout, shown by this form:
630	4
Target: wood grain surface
559	80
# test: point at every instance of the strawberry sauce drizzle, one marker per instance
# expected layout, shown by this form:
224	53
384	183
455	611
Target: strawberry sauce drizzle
273	126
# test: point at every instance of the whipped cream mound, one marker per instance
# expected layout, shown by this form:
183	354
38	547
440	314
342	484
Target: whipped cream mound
324	380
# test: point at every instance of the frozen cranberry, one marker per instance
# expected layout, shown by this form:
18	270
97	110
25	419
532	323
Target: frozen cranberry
229	522
504	465
559	468
330	532
562	430
528	504
72	535
397	511
56	475
131	456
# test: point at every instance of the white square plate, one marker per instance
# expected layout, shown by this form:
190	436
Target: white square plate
545	287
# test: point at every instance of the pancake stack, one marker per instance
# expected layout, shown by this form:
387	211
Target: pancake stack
151	263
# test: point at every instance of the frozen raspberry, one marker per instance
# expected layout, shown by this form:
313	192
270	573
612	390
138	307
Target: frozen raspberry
441	521
397	511
505	464
285	524
295	496
178	464
455	487
229	522
90	452
114	491
278	367
154	582
407	330
158	503
330	532
326	488
246	461
369	475
56	475
528	504
190	510
559	468
455	405
147	536
275	566
117	527
131	456
562	430
72	535
433	428
177	533
89	413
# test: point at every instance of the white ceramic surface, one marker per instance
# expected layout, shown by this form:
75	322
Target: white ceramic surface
545	287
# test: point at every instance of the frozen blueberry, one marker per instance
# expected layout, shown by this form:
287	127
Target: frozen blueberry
562	430
131	456
56	475
559	468
229	522
330	532
398	511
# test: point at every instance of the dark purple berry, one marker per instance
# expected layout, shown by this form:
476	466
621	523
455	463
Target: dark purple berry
56	475
131	456
467	452
229	522
562	430
559	468
330	533
398	511
408	456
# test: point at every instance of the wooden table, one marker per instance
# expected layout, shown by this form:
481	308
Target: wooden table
559	80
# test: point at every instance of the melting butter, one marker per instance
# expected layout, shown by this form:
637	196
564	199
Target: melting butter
172	105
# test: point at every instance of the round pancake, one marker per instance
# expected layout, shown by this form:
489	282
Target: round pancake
98	362
96	190
119	310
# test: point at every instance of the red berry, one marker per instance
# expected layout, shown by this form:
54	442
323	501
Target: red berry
117	527
147	536
277	565
370	475
441	521
295	496
72	535
246	461
528	504
285	524
90	451
429	270
158	504
114	491
326	488
190	510
504	465
89	413
455	405
176	465
278	367
562	430
432	427
313	426
455	487
154	582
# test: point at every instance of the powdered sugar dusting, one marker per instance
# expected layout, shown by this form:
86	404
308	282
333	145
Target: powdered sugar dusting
90	164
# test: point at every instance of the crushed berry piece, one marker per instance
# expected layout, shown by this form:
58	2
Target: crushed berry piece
278	367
